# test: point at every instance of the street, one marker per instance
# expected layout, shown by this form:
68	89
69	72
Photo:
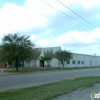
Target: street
26	80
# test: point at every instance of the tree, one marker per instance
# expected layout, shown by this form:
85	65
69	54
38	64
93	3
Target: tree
62	56
36	55
48	56
16	48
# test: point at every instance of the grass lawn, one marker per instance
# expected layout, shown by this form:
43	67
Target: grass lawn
26	70
49	91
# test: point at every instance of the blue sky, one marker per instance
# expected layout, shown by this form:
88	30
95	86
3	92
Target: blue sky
17	2
78	32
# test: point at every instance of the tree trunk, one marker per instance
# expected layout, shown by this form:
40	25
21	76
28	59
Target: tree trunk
58	63
35	63
16	63
29	64
48	64
63	64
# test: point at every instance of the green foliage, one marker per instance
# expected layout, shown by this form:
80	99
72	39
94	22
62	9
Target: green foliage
48	56
63	55
36	54
15	47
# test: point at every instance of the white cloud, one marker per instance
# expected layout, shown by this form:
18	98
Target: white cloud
43	42
33	37
88	3
32	13
89	39
14	17
47	42
76	36
85	3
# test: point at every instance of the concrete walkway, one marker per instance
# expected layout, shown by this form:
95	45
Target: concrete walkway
2	73
81	94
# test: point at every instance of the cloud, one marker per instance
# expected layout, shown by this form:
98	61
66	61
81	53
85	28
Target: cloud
37	15
48	27
86	4
76	41
76	36
29	16
14	17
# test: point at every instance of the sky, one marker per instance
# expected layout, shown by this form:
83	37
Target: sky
72	24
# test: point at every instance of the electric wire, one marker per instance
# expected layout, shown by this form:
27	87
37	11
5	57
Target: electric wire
77	14
65	14
86	13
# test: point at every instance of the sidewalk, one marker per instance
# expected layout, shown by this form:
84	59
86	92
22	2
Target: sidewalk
2	73
81	94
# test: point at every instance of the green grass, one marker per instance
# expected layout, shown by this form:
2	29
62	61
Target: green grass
49	91
26	70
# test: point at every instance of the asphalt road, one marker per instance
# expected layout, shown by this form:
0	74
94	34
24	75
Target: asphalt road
26	80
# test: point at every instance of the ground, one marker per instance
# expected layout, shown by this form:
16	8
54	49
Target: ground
80	94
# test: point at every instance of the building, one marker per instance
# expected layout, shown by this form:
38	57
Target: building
42	63
83	60
78	60
2	64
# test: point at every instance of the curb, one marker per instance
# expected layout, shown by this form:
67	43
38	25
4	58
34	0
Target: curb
7	74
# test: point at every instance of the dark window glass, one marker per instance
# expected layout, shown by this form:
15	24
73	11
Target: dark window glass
78	62
82	62
68	62
73	62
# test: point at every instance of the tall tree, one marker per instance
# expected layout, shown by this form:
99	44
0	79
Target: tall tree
63	56
16	48
48	56
36	55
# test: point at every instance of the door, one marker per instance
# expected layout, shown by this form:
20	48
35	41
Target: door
41	63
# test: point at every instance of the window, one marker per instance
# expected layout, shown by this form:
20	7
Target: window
78	62
82	62
73	62
68	62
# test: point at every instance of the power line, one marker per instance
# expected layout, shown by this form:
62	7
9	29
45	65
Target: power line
86	12
96	10
76	14
64	14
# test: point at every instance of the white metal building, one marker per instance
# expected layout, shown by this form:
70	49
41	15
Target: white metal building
78	60
82	60
42	63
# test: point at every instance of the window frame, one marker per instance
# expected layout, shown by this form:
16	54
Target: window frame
78	62
68	62
73	62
